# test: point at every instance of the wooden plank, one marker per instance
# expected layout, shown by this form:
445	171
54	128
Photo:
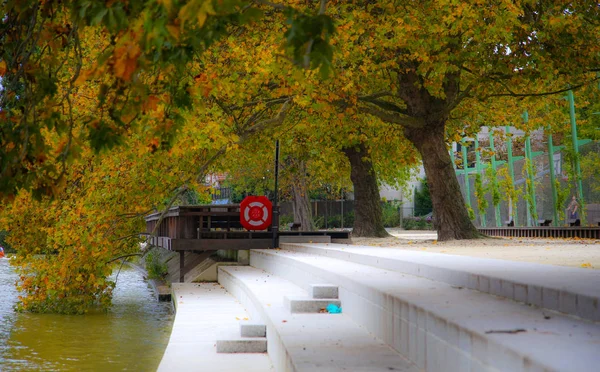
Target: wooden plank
219	244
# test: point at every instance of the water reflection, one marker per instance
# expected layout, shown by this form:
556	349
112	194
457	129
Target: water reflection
132	336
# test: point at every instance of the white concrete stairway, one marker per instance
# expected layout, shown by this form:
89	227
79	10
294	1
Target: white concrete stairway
252	339
307	341
569	290
437	325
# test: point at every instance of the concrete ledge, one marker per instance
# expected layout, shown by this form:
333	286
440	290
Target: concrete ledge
441	327
161	290
304	239
324	291
308	304
253	330
242	345
569	290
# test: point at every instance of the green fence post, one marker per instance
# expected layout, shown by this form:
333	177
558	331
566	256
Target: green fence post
466	174
552	178
478	168
571	100
495	179
530	188
511	171
531	208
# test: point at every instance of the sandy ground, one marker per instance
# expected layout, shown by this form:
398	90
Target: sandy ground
564	252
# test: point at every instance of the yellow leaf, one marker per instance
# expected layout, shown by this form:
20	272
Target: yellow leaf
586	265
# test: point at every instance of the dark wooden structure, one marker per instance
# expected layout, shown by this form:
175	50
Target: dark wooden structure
543	232
204	229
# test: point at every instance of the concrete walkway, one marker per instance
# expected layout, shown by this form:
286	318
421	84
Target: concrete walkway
205	312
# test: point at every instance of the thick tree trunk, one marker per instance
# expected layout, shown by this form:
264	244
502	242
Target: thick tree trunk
301	201
452	218
367	208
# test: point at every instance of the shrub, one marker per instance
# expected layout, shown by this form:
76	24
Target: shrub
285	221
156	268
390	215
416	223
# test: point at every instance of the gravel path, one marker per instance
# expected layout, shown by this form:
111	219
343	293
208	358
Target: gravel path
564	252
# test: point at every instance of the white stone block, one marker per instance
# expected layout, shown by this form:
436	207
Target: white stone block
250	345
567	302
404	336
324	291
550	298
508	289
587	307
534	295
484	284
479	348
421	347
496	286
465	341
309	305
520	293
473	281
412	342
253	330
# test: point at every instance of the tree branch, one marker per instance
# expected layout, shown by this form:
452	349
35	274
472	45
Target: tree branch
393	117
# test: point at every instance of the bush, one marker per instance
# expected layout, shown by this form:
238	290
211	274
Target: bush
390	215
3	243
285	221
156	268
416	223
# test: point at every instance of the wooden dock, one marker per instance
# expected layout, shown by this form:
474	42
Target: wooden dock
204	229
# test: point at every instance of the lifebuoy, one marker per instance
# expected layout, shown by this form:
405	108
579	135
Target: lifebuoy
256	213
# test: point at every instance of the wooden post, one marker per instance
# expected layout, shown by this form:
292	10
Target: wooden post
181	266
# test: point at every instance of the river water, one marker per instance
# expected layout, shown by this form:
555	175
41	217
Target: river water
132	336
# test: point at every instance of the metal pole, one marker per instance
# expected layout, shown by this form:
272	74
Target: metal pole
275	222
552	179
482	215
466	174
495	179
531	208
511	171
571	99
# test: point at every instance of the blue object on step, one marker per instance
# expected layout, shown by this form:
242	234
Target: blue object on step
333	309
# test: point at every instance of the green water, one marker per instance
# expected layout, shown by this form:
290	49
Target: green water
132	336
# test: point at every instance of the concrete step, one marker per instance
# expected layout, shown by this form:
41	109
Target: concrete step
242	345
305	304
443	327
204	313
324	291
568	290
253	330
307	342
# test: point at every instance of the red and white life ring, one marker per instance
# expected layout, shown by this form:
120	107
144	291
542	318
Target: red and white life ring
256	213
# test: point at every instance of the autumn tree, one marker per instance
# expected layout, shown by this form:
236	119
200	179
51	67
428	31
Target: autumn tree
433	58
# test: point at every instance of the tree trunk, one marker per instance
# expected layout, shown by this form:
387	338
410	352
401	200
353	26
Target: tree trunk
368	219
301	201
452	218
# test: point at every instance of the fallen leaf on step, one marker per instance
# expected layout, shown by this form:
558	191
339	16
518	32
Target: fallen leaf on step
236	318
586	265
284	321
245	318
